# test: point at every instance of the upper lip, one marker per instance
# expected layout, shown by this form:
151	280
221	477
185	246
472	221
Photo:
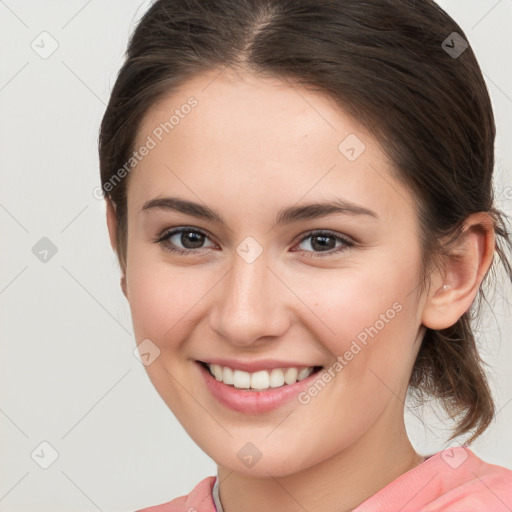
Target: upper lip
254	366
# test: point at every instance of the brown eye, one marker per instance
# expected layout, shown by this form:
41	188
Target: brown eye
323	243
183	240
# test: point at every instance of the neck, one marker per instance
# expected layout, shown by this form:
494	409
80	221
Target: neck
337	484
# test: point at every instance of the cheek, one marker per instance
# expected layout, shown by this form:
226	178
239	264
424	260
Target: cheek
161	298
166	300
356	299
372	319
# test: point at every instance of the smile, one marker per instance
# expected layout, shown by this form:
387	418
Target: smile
256	392
260	380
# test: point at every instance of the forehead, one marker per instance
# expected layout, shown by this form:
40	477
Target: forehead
265	139
262	112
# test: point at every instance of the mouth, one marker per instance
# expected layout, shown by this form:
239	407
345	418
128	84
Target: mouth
264	396
256	392
261	380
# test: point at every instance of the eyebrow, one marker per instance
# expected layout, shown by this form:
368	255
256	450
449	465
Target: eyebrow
287	215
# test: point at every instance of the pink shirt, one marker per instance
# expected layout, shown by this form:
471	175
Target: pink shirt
453	480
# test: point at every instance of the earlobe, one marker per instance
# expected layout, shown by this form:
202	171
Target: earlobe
123	285
112	233
470	258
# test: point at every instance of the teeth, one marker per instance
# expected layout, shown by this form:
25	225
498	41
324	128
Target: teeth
241	379
228	376
217	371
277	378
303	374
259	380
290	377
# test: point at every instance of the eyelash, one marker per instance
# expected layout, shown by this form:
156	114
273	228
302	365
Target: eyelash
347	244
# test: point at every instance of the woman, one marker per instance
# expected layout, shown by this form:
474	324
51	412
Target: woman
300	197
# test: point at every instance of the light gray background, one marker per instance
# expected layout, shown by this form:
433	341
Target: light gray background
68	373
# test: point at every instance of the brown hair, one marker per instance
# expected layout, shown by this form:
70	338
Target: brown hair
384	62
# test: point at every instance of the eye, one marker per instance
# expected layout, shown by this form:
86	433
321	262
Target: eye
325	242
322	243
191	240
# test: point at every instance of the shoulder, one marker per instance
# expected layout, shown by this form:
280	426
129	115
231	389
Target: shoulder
453	480
198	500
470	484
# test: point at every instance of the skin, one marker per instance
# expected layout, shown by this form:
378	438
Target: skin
251	147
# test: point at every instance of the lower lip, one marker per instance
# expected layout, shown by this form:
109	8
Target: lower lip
254	401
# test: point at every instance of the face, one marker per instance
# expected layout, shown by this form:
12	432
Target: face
258	279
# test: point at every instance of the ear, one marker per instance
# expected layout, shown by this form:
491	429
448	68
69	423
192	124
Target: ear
111	224
451	295
112	230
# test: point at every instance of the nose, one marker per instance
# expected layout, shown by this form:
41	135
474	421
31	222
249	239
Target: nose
250	304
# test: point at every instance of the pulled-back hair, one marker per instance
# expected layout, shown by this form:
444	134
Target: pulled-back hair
385	63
